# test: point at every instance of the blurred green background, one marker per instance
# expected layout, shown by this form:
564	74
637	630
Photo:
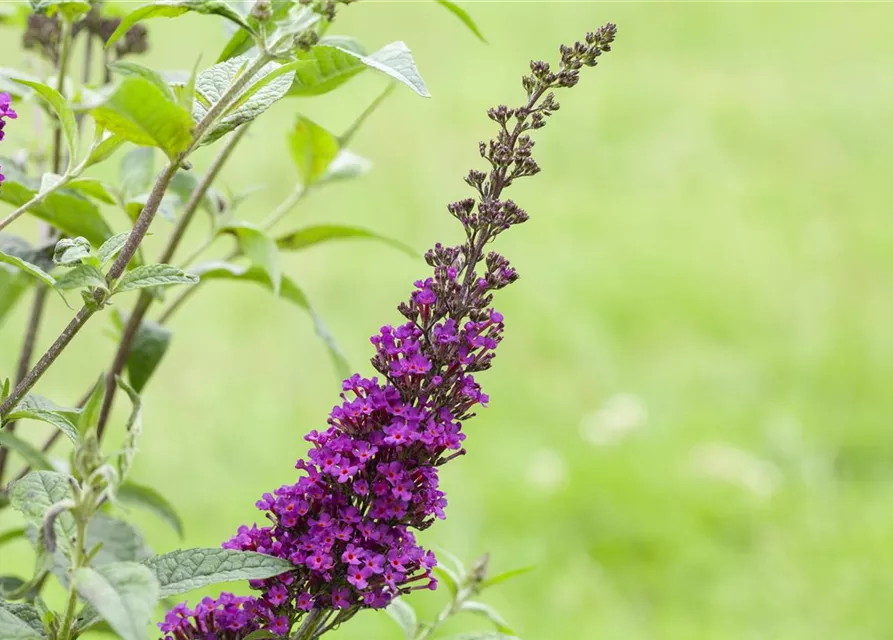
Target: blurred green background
689	433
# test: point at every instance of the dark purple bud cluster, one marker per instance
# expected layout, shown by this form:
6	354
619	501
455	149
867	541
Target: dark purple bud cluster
325	8
43	34
372	476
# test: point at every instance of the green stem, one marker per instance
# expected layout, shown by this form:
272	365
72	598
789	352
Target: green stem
309	626
453	607
66	629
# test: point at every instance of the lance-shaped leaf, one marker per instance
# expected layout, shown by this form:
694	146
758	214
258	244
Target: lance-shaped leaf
174	8
19	621
139	111
13	281
93	188
34	407
85	275
189	569
105	149
462	14
134	429
123	593
60	108
111	247
260	249
289	291
283	14
127	68
153	275
33	496
31	269
405	616
131	493
505	576
65	210
270	84
137	171
488	612
147	350
317	234
31	455
334	62
313	149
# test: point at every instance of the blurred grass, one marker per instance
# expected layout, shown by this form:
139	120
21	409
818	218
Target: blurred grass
709	237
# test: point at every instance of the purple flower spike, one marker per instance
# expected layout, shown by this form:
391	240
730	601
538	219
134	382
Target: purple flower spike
372	477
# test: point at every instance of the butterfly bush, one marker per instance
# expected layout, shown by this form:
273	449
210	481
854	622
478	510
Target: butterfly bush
371	478
6	112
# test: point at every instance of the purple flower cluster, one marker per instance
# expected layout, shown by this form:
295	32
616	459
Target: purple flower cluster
6	111
227	618
371	477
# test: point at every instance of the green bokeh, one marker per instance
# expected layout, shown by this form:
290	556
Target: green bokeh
709	256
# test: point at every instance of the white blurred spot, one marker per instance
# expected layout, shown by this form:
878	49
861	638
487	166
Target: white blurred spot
620	416
724	462
547	471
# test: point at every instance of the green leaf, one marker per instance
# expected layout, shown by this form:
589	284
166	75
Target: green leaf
137	110
189	569
17	622
34	407
488	612
394	60
72	214
120	540
71	251
505	576
317	234
345	166
11	584
32	456
111	247
34	494
153	275
31	269
184	184
124	594
405	616
85	275
330	67
289	291
174	8
60	108
13	281
12	534
148	348
270	84
137	171
134	206
313	149
71	10
131	493
127	68
134	428
89	417
462	14
260	249
91	187
105	149
448	578
49	182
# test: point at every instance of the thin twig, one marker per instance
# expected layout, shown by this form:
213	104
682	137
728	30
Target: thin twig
145	299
